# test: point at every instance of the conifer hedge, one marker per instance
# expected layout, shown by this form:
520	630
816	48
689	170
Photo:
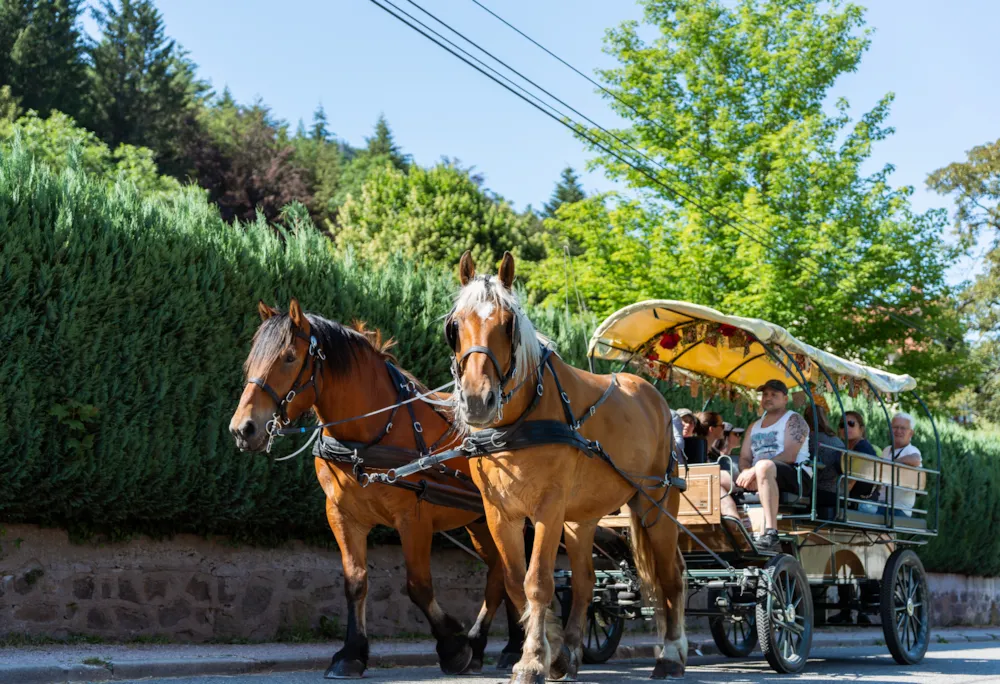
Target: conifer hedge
124	324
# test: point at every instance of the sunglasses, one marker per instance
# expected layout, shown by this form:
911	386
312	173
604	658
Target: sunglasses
852	423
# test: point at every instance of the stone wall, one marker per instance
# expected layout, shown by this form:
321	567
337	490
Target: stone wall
192	589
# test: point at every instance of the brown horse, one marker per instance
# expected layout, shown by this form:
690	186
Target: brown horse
349	375
555	484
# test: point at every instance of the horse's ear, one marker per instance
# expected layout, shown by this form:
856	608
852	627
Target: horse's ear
295	313
507	270
466	268
265	311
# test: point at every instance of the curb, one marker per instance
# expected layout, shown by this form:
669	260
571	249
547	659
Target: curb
192	667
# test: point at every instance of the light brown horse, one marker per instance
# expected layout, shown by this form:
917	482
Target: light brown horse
497	356
342	372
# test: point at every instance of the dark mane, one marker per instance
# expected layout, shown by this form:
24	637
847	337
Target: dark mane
340	343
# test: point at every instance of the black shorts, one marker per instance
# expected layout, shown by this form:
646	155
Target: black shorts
788	477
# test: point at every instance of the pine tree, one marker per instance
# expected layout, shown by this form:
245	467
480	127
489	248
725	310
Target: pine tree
319	129
145	89
382	144
568	190
42	54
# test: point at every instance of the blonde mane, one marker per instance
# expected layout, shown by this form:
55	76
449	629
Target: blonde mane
482	293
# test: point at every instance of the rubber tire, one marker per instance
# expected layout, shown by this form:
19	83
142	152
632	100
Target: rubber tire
779	568
720	633
901	559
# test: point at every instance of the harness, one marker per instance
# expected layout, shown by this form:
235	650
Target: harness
459	492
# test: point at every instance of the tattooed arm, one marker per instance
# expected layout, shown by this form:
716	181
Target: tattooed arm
796	434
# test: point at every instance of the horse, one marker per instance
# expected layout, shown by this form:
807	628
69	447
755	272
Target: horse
505	374
351	373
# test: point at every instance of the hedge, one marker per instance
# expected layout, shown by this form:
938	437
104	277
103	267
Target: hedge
124	323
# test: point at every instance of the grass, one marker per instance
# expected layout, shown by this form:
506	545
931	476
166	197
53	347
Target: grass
941	639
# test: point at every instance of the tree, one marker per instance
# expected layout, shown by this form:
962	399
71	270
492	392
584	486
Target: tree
59	144
976	186
144	87
568	190
319	131
43	55
381	150
432	215
246	161
727	99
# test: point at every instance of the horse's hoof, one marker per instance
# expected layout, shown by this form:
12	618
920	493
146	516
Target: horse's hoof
527	678
507	660
668	670
564	668
475	667
458	663
345	669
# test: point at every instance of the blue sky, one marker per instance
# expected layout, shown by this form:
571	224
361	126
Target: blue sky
359	62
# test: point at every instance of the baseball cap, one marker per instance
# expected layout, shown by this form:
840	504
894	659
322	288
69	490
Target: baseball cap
776	385
738	430
684	412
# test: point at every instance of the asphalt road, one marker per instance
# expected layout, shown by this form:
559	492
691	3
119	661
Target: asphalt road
944	664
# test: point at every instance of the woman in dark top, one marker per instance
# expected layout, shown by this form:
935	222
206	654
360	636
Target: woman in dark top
856	434
711	430
830	449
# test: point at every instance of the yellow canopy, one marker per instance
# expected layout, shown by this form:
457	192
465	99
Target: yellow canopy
698	340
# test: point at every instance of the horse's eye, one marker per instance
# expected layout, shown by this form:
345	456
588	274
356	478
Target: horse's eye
289	357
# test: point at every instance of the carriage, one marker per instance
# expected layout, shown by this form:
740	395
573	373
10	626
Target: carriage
827	547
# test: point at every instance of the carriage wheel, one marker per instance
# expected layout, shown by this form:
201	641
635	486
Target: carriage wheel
735	635
605	626
784	614
905	613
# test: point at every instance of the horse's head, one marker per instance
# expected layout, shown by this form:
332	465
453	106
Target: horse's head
494	343
282	370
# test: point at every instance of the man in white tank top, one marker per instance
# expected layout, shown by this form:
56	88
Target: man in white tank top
771	450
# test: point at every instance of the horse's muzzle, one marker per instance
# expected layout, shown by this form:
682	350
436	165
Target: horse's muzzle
480	410
249	436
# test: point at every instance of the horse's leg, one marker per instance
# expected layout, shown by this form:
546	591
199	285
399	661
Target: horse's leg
511	653
351	661
580	549
661	566
495	595
454	652
542	629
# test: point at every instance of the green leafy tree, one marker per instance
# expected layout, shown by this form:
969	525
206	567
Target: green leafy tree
144	87
380	150
975	184
432	215
729	99
59	144
322	159
43	54
568	190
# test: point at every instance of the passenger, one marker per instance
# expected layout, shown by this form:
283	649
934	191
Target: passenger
696	443
830	450
855	437
769	458
678	427
690	421
856	433
901	451
714	428
734	438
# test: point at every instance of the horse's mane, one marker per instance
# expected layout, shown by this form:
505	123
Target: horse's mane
340	343
489	291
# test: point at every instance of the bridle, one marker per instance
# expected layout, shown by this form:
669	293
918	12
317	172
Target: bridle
280	418
458	363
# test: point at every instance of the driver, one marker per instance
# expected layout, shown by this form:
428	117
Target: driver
774	448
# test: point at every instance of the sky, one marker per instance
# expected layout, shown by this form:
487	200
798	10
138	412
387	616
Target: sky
359	62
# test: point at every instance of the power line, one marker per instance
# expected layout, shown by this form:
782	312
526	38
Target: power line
554	113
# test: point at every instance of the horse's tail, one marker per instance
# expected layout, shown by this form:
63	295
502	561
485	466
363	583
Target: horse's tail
644	556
